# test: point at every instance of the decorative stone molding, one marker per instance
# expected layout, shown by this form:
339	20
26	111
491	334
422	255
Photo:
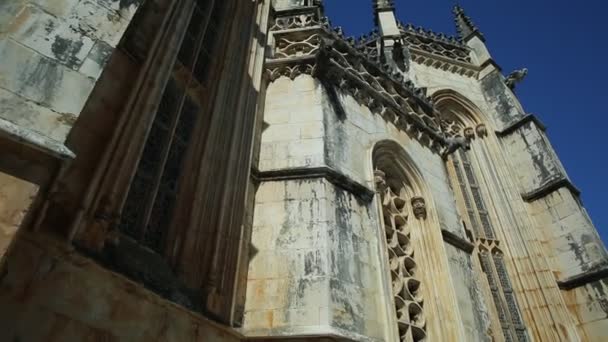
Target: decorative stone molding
380	180
419	207
457	241
481	130
333	176
406	286
305	44
521	122
584	278
469	133
443	63
549	188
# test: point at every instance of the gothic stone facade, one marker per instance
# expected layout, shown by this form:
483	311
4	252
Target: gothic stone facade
235	170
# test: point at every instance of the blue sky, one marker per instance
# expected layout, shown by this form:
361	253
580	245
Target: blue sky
563	43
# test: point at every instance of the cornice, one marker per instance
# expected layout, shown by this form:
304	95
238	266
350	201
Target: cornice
446	64
520	123
333	176
457	241
550	187
584	278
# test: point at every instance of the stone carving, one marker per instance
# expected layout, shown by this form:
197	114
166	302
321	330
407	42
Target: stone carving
419	207
305	43
482	130
464	25
290	70
409	303
469	133
380	180
299	21
307	46
516	77
435	43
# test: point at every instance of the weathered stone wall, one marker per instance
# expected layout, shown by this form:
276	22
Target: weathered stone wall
51	293
544	226
570	240
589	306
532	158
313	267
323	225
467	283
52	54
15	198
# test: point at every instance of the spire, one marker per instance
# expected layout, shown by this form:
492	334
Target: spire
384	5
384	17
464	25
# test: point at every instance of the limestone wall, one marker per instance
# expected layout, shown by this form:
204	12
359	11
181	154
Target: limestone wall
52	54
51	293
570	240
319	260
15	198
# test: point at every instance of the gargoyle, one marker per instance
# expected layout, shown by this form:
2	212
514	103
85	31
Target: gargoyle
515	77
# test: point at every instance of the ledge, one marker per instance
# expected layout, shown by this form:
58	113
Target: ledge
584	278
29	155
491	62
335	177
519	123
319	333
549	188
457	241
34	140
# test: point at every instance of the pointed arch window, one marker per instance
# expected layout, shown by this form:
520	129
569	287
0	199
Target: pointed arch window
475	210
491	259
399	205
148	209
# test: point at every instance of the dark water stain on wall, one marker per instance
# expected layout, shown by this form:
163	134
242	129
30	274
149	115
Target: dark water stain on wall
66	51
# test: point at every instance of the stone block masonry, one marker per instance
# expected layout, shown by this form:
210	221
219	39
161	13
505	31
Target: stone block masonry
52	55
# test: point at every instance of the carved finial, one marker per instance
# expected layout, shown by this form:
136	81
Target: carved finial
464	24
419	207
384	5
516	77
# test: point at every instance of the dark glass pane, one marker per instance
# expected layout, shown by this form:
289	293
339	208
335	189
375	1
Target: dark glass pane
507	333
502	315
477	198
152	154
170	102
487	226
187	50
501	269
159	221
187	120
197	22
521	335
486	266
513	308
134	207
476	229
469	172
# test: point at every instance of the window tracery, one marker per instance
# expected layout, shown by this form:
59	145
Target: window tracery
408	299
466	182
148	209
